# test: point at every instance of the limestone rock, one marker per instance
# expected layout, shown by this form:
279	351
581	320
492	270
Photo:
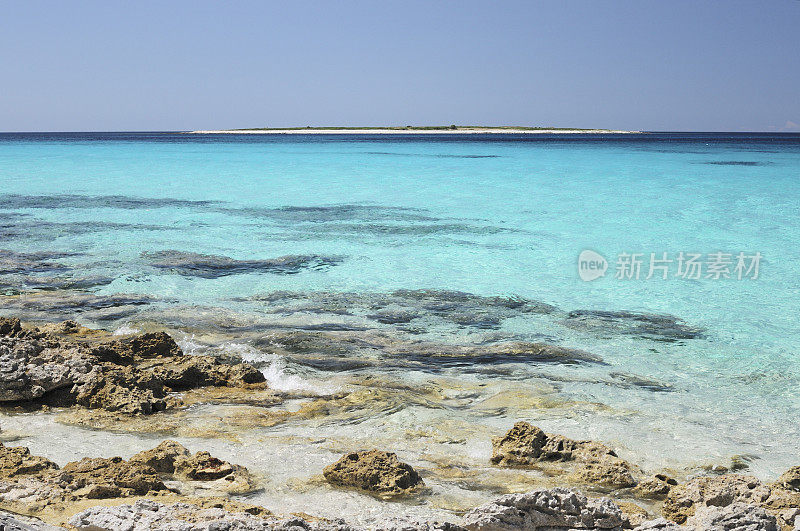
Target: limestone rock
110	478
736	516
790	479
174	459
526	445
13	522
655	487
373	471
162	457
18	461
147	515
68	365
693	497
551	510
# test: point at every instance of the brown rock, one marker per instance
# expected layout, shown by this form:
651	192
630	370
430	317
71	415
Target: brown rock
162	457
18	461
110	478
174	459
655	487
790	479
373	471
684	500
9	326
526	445
67	365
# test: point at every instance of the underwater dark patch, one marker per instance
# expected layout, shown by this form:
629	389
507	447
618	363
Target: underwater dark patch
332	213
736	163
16	201
647	326
431	155
214	266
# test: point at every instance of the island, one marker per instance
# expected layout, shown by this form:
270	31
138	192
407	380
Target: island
409	129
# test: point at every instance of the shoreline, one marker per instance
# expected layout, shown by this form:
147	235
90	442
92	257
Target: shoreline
404	131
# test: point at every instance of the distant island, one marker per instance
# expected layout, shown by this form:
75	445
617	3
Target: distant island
408	129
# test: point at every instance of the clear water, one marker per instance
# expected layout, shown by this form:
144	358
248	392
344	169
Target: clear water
492	216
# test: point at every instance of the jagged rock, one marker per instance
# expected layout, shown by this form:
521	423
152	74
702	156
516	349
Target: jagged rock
655	487
147	515
684	500
34	482
659	523
414	524
526	445
162	457
172	458
130	376
14	522
18	461
736	516
9	326
790	479
546	510
374	471
110	478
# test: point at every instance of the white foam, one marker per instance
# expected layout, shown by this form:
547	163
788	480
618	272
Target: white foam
126	330
275	371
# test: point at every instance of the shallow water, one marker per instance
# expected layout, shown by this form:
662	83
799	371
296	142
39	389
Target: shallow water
305	254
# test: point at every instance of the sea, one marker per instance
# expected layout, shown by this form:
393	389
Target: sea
392	289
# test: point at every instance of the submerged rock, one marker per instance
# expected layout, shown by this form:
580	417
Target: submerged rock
212	266
374	471
67	365
648	326
546	510
526	445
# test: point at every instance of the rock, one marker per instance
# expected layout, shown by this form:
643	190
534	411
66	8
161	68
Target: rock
547	510
790	479
110	478
18	461
31	487
69	365
162	457
526	445
635	514
14	522
147	515
655	487
9	326
174	459
738	516
659	523
790	518
373	471
693	497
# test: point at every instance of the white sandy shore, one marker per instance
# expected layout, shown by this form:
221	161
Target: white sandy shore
460	131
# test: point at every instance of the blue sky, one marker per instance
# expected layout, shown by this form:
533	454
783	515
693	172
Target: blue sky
171	65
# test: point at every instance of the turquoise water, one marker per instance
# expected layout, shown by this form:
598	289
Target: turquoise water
485	215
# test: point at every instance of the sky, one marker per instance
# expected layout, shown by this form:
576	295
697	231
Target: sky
665	65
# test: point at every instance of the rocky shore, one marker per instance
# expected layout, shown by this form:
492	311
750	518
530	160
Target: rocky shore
167	487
